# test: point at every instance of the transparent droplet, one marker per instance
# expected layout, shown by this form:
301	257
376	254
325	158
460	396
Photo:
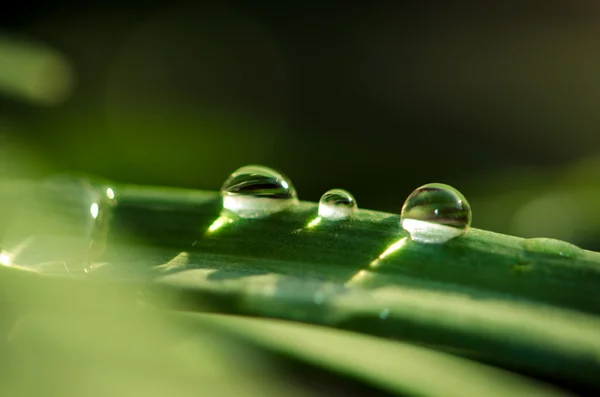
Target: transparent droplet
255	191
337	204
550	247
62	221
435	213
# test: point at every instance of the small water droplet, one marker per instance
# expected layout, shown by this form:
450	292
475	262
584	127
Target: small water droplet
435	213
337	204
551	247
255	191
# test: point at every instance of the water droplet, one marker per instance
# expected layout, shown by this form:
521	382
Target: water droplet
62	219
551	247
435	213
255	191
337	204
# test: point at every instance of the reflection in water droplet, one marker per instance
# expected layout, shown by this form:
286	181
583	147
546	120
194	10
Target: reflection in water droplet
552	247
337	204
255	191
435	213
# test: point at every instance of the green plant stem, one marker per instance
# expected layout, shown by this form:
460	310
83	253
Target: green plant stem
175	222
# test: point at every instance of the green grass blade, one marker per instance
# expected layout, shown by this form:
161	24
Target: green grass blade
179	222
397	367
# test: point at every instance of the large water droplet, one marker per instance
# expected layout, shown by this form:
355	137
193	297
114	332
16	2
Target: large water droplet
62	220
551	247
255	191
337	204
435	213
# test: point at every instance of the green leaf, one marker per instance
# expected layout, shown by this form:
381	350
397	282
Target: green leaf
526	305
513	302
395	366
66	338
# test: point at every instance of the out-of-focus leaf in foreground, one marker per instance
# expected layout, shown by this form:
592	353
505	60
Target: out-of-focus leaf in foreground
62	339
397	367
69	338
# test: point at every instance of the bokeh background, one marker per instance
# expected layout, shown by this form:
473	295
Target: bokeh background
500	101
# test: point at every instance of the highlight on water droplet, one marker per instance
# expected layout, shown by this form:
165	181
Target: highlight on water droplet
435	213
337	204
5	258
94	209
255	191
110	193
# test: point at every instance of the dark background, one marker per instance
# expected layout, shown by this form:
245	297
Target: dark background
500	101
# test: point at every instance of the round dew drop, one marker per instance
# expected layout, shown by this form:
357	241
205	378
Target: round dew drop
256	191
337	204
435	213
